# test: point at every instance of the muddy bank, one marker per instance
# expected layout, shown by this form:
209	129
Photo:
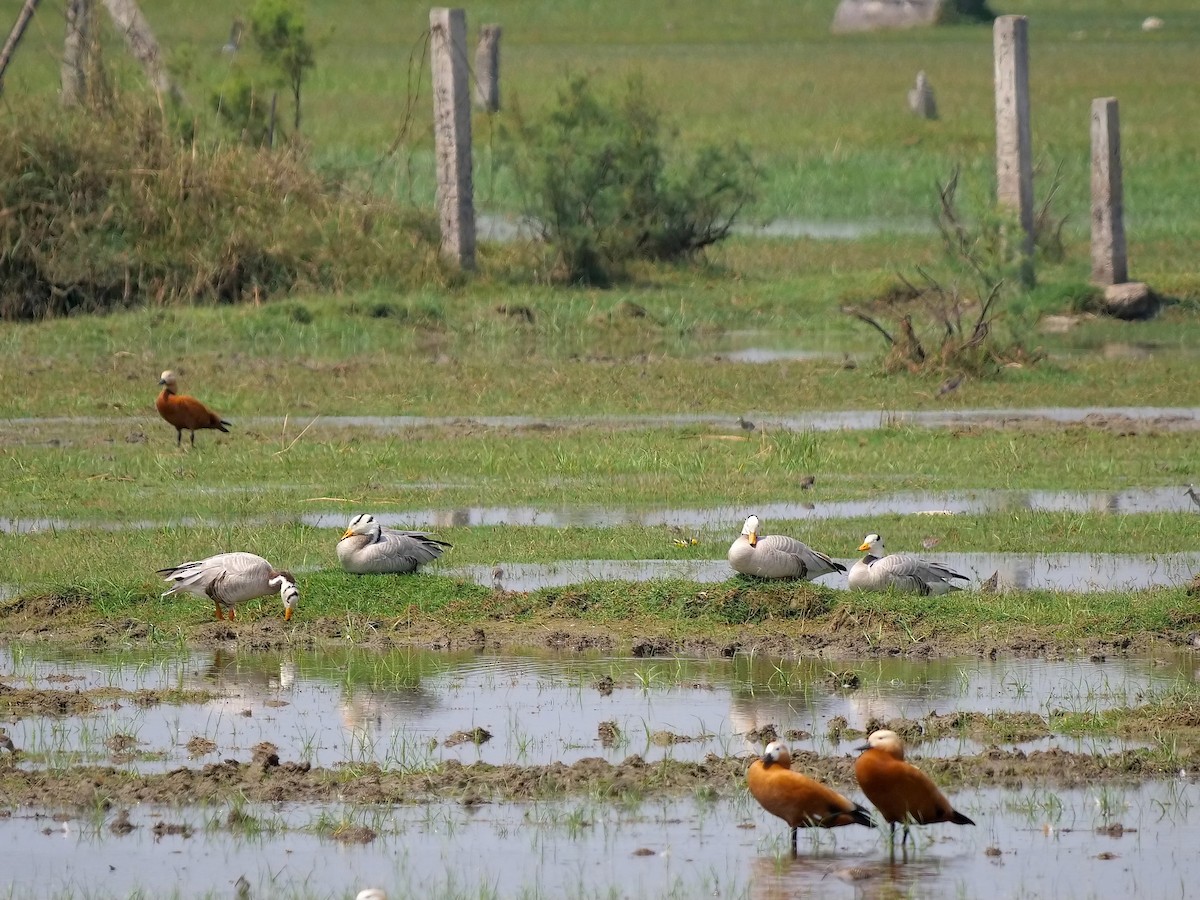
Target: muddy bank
815	631
266	779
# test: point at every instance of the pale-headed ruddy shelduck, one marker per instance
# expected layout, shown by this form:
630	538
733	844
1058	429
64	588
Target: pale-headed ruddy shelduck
899	790
229	579
880	570
777	556
367	548
184	412
797	799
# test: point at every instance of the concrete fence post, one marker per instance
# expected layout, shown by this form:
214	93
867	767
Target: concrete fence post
1014	152
487	69
452	134
1109	262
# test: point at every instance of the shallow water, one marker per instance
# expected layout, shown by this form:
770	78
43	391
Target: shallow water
1164	417
975	502
399	708
1071	572
1031	843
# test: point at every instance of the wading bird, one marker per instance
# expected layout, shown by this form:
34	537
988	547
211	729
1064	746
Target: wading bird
879	570
797	799
899	790
367	548
184	412
777	556
229	579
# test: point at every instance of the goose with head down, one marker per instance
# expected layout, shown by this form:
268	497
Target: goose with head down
777	556
367	548
230	579
880	570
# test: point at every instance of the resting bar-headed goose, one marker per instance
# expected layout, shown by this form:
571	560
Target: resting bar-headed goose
367	548
879	570
777	556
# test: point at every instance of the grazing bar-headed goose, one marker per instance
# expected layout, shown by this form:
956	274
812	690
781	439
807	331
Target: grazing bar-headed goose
777	556
879	570
368	548
183	411
797	799
898	789
232	578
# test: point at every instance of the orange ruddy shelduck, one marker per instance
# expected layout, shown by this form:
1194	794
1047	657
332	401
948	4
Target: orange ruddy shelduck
900	791
183	411
796	798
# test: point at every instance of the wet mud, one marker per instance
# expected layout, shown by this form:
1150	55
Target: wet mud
266	779
782	623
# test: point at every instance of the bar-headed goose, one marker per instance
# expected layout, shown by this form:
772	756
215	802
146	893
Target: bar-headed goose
229	579
879	571
777	556
367	548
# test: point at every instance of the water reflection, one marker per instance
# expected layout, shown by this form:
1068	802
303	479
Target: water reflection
1094	841
975	502
399	708
1070	572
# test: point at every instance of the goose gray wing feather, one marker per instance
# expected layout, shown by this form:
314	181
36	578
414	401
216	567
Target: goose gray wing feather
779	556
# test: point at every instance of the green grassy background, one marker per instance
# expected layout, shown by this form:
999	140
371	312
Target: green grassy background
826	119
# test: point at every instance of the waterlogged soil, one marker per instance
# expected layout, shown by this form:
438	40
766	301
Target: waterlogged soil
512	624
266	779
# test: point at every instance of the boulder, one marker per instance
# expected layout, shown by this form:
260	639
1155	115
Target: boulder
871	15
1130	300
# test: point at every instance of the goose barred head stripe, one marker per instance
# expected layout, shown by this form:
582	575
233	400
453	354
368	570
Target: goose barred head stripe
288	592
363	523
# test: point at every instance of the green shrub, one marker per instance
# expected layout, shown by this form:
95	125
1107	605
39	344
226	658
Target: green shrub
602	187
112	210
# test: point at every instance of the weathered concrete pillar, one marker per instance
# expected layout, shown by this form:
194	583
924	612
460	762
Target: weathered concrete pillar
73	71
1014	150
452	134
1109	263
487	69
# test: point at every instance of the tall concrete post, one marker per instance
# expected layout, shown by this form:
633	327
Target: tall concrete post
1014	151
1109	262
487	69
73	69
452	134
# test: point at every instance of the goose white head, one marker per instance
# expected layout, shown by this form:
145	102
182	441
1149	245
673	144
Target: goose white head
777	752
363	523
750	530
288	592
167	379
885	740
873	544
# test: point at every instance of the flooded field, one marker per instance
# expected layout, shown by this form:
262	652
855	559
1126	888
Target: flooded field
1103	842
358	713
403	709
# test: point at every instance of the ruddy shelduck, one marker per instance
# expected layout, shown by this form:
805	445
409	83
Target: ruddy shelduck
229	579
797	799
184	412
899	790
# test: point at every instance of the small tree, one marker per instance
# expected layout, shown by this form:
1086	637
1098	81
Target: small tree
604	189
278	29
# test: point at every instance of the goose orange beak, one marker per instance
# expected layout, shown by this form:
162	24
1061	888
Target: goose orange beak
348	533
752	537
864	546
287	615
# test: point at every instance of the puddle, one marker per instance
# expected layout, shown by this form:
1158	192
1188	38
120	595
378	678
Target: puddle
507	228
1071	572
979	502
1104	841
401	709
1163	417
